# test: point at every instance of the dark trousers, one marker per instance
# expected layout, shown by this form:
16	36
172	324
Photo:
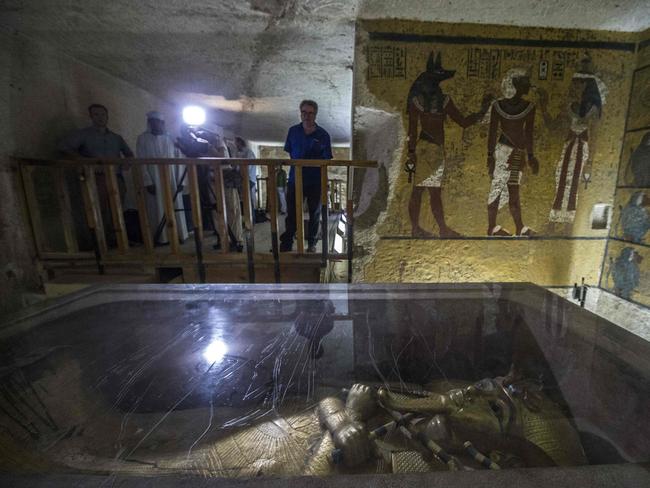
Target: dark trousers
312	194
187	207
132	224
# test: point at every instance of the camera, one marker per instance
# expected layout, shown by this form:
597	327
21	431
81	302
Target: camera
194	142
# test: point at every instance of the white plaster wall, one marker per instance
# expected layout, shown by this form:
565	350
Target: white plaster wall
44	95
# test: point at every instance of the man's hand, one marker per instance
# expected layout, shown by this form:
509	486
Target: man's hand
151	189
486	102
409	166
543	96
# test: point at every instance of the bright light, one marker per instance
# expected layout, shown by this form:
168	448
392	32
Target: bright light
215	352
193	115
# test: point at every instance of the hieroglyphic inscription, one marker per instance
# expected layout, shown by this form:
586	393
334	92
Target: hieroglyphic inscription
385	62
483	63
486	63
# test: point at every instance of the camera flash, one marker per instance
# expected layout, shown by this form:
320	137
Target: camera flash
193	115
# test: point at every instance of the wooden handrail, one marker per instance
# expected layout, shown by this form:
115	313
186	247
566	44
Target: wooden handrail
108	212
191	161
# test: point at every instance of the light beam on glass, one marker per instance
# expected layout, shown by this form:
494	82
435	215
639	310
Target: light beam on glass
215	352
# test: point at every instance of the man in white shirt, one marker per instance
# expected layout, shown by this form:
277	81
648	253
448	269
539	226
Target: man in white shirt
245	152
156	143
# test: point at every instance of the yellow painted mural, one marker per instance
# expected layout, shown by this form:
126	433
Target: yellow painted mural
643	55
639	116
505	139
627	271
631	215
627	261
634	169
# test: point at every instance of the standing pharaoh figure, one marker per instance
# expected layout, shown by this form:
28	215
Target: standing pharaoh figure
586	98
510	146
429	107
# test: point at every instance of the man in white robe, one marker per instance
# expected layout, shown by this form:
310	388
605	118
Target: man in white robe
245	152
156	143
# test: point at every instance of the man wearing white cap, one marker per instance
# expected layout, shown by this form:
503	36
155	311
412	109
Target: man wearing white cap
156	143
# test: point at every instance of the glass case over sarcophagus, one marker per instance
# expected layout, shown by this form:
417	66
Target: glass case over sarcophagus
260	382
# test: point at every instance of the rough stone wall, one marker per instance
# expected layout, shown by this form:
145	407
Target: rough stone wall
44	95
626	267
389	56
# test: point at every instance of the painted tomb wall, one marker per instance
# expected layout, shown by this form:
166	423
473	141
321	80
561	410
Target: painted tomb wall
494	143
626	267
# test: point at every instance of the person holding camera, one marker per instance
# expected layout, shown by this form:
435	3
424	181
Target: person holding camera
207	141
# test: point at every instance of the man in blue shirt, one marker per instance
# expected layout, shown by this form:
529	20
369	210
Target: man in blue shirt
306	140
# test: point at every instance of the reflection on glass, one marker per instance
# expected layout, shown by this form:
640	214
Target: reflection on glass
215	352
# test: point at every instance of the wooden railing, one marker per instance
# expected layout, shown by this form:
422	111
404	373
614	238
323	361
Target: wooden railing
86	171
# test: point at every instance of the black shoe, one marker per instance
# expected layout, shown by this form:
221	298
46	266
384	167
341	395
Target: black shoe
236	248
286	247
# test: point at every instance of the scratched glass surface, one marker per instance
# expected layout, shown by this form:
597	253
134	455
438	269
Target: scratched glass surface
222	381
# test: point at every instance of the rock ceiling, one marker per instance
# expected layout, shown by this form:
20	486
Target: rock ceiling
251	61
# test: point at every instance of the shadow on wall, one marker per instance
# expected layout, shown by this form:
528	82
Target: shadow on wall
376	138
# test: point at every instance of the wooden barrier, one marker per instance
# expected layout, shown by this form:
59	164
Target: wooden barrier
111	242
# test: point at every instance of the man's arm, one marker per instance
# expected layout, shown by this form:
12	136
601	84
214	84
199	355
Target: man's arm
125	149
530	124
327	149
70	145
471	119
492	139
414	115
287	143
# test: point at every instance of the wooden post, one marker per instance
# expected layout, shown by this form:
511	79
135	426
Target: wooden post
93	213
34	210
140	191
249	223
350	221
324	213
170	214
116	209
71	244
197	218
272	187
222	219
300	216
195	199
